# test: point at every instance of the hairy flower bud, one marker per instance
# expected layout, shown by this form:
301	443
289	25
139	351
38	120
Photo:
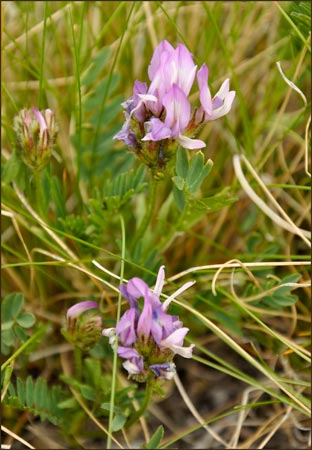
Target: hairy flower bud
84	325
35	136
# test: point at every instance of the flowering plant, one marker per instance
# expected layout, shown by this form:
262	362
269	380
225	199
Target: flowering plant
35	136
149	338
159	117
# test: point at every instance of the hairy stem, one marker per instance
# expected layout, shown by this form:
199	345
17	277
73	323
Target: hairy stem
78	362
149	212
38	193
141	411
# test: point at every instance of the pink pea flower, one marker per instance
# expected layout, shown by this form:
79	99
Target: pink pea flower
220	104
149	337
159	116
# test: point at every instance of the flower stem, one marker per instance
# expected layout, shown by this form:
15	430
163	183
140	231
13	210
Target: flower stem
114	374
148	214
78	362
141	411
38	193
166	240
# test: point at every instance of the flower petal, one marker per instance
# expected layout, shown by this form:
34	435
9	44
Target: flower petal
111	334
125	328
127	352
157	131
79	308
134	366
204	92
178	110
164	48
42	123
135	289
186	68
126	134
160	281
166	370
186	352
175	338
225	108
174	342
183	288
145	319
222	102
139	88
191	144
162	325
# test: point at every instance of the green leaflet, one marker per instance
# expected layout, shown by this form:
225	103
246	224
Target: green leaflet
155	439
198	208
36	397
189	176
14	320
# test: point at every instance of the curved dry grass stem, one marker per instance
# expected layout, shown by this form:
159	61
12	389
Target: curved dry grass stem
224	266
275	428
267	426
243	413
244	354
92	417
15	436
194	411
112	274
38	28
284	339
53	235
306	148
67	371
19	234
246	264
125	383
150	24
302	233
34	84
291	84
80	268
275	288
43	224
287	224
282	110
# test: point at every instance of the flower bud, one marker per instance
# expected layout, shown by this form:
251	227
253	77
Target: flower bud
84	325
35	136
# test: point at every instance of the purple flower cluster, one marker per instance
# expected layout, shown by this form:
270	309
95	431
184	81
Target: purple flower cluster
161	113
148	337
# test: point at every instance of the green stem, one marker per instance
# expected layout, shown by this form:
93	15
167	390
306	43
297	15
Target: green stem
23	347
78	362
79	95
148	214
38	194
177	227
114	373
42	55
141	411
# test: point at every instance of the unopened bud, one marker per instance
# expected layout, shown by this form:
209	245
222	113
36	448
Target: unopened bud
35	136
84	325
